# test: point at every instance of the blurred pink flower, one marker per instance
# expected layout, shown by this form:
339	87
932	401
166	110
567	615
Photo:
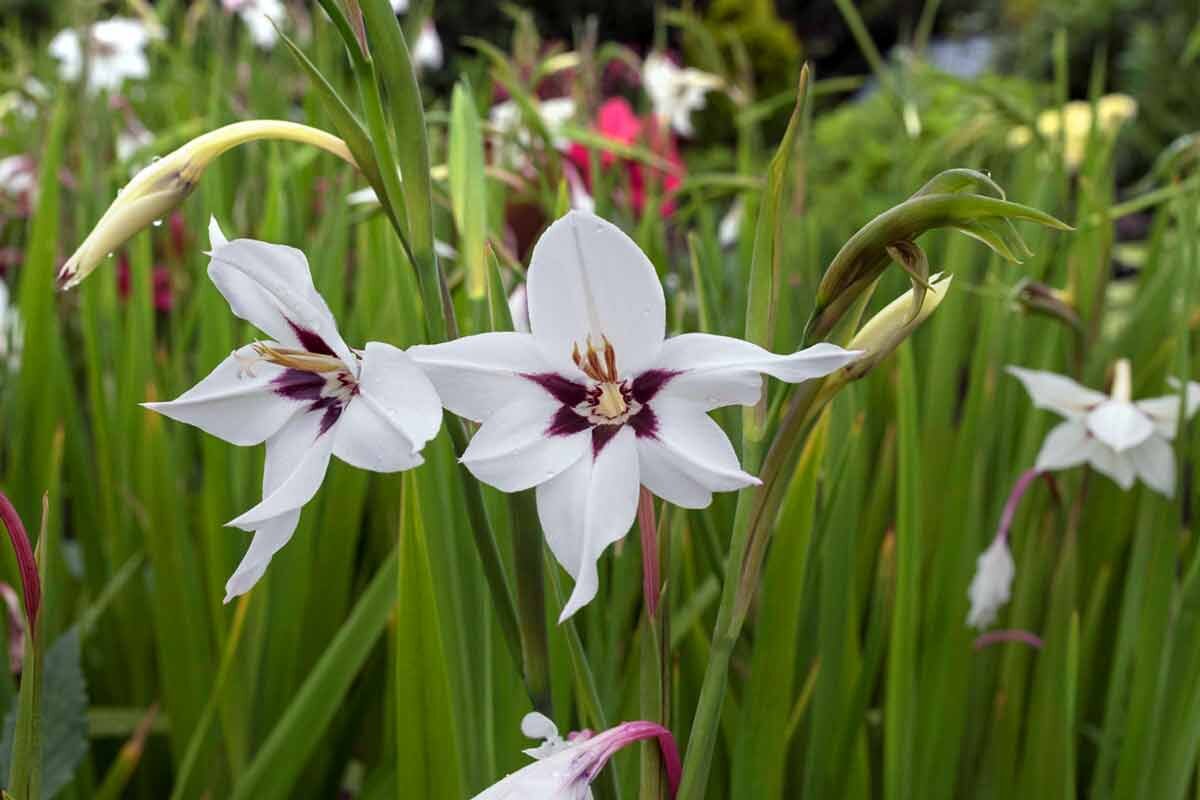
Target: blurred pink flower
616	120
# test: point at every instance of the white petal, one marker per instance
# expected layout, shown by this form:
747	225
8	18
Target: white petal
661	476
1118	466
297	457
992	584
1154	462
268	539
477	375
1057	393
587	278
271	287
588	507
1067	445
513	451
65	48
396	411
538	726
1119	425
1163	412
234	402
691	442
720	370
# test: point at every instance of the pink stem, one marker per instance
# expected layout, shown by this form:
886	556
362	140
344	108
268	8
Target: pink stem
629	732
1014	635
31	584
649	529
1014	499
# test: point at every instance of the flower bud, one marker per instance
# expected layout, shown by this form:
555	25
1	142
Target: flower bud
166	182
884	332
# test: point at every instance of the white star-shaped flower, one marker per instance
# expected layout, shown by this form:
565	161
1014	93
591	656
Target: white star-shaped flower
1122	438
595	402
305	393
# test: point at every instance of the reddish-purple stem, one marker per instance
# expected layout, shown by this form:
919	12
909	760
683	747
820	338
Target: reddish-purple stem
1014	499
1014	635
31	584
649	528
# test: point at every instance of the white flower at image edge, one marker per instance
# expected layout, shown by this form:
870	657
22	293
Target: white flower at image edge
992	584
304	392
564	770
260	18
115	49
594	402
676	92
1122	438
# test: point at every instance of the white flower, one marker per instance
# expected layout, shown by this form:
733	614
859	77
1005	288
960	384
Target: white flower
515	139
260	18
11	334
992	584
1119	437
427	50
564	770
116	48
18	176
730	227
593	403
399	6
305	393
675	92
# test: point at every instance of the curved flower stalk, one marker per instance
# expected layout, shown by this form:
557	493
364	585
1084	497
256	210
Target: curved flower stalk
994	570
1122	438
594	403
166	182
564	770
260	18
304	393
115	49
675	92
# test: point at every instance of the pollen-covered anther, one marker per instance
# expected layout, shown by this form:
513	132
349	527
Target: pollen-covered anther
600	371
303	360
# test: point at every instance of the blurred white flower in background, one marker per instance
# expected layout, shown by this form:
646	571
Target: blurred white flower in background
115	49
11	333
400	6
676	92
427	51
260	18
18	176
1120	437
730	226
515	139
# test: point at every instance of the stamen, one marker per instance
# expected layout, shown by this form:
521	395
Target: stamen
610	360
298	359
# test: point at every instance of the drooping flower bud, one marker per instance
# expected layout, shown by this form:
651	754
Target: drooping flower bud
31	583
885	331
166	182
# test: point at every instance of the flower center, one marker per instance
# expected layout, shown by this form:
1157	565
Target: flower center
609	401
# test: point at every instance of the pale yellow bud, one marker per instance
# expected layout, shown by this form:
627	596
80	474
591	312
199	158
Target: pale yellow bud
885	331
166	182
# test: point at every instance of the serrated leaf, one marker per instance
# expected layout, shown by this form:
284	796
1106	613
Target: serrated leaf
64	716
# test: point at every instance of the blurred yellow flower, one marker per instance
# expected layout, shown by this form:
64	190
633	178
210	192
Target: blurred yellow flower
1074	124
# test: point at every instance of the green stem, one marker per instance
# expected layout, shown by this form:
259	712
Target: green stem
531	601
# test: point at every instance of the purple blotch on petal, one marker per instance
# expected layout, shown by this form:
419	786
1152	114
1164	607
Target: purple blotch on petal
331	408
311	341
561	389
566	422
296	384
602	435
645	423
650	383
